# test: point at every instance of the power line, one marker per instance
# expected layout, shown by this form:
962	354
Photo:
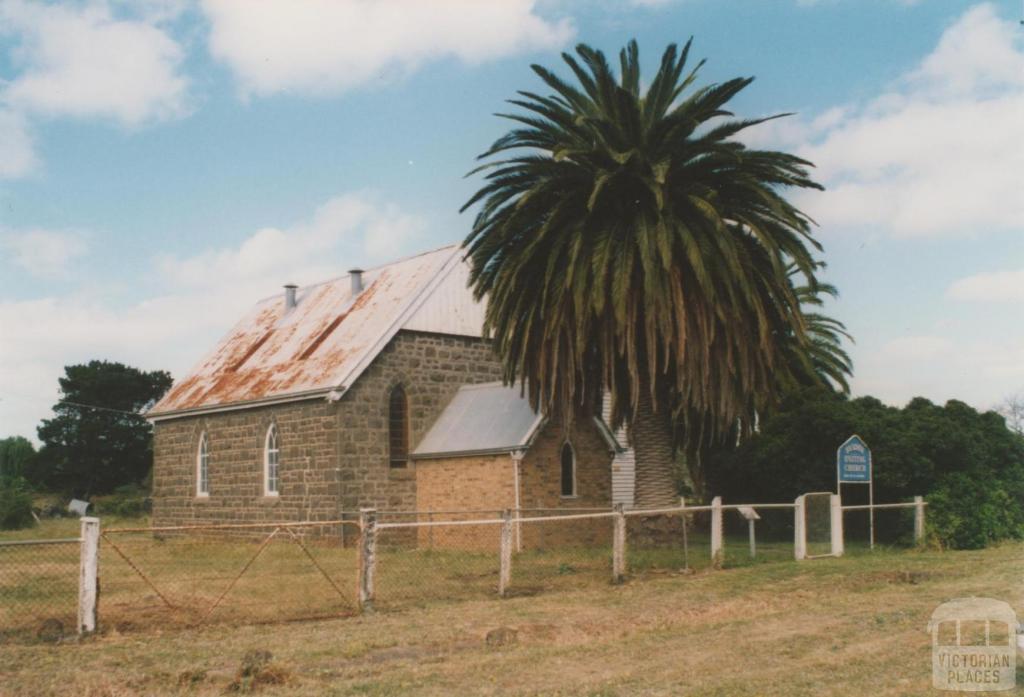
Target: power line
94	406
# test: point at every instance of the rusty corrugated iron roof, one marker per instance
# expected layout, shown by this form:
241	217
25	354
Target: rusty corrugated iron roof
323	344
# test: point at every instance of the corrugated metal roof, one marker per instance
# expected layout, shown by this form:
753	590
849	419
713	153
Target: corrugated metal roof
324	343
480	419
451	308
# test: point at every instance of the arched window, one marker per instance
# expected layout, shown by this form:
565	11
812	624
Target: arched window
271	459
398	427
203	466
568	470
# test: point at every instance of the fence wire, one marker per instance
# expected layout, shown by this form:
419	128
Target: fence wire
894	529
38	589
419	565
773	536
561	554
660	543
249	574
818	521
252	573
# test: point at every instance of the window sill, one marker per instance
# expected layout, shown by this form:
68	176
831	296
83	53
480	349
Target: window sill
201	498
401	473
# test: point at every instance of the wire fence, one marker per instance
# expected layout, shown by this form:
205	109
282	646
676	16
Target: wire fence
768	537
420	563
186	576
561	552
38	588
894	527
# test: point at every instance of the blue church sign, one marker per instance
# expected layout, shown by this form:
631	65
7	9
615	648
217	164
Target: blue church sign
853	461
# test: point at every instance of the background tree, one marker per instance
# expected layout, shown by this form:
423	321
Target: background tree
97	439
1012	410
16	453
637	247
968	464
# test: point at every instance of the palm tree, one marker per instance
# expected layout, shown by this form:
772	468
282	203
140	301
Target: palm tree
820	360
628	243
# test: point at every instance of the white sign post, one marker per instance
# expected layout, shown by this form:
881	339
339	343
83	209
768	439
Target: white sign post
853	466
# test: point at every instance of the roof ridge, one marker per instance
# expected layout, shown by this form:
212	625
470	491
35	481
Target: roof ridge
334	279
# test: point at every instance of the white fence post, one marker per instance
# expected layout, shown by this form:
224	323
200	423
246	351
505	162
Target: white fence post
717	549
919	520
686	541
89	575
619	545
367	557
753	538
799	530
505	572
836	511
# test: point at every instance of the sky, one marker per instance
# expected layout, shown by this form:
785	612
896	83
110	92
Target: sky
164	164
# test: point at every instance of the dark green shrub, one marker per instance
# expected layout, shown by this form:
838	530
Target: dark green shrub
968	465
128	501
15	504
964	513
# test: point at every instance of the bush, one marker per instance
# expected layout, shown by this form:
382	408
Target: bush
129	501
964	513
968	465
15	504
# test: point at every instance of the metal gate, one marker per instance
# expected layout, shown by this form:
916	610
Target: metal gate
819	525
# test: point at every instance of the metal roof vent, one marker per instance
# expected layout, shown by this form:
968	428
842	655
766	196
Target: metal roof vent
289	297
357	280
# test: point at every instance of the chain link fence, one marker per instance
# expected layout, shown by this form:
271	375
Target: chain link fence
271	572
189	576
560	552
422	562
764	537
38	588
668	542
895	526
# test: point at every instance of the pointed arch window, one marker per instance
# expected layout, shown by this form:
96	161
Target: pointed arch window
203	466
271	463
568	470
398	428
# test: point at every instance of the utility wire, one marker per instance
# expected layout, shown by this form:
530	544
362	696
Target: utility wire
95	406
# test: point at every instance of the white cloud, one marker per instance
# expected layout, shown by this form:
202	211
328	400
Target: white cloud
329	46
939	154
17	155
990	286
43	253
359	226
192	301
83	62
940	368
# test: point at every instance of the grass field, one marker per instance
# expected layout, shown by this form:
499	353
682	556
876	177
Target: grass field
855	625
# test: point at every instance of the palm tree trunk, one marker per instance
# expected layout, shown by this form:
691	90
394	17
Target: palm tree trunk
655	456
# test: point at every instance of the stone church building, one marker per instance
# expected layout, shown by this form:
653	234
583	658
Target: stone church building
374	389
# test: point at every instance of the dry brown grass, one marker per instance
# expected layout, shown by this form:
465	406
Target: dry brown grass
828	627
